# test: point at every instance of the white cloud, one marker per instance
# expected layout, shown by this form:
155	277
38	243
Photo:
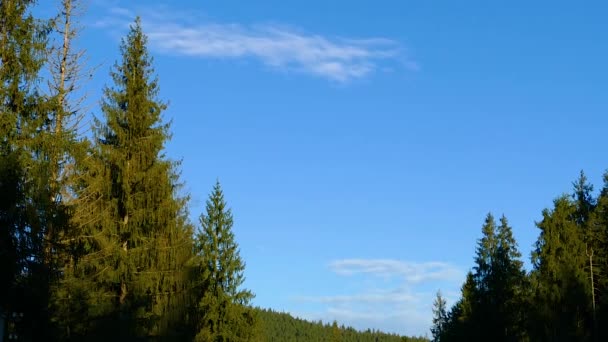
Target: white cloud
336	59
386	294
411	272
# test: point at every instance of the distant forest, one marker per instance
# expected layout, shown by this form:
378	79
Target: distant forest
96	243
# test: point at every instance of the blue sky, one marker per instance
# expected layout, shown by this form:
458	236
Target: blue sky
361	144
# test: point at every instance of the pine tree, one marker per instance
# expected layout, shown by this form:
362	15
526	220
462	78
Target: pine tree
222	313
440	318
134	239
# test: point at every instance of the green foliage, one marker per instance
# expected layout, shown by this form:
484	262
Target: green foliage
493	297
440	317
282	327
26	210
134	238
222	313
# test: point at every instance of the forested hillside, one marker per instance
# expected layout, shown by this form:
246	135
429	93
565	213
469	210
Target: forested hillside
280	326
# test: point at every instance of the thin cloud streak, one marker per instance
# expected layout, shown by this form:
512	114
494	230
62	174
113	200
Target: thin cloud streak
401	303
377	297
336	59
411	272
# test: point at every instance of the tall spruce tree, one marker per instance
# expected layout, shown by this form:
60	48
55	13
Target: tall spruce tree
510	288
222	313
24	209
491	307
561	293
484	302
133	238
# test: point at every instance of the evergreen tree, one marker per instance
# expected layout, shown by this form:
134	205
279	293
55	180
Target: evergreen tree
491	307
24	209
484	301
336	334
460	322
599	260
561	291
440	318
67	75
510	285
134	239
222	313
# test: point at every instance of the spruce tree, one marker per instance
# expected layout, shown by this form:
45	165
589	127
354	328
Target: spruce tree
440	318
510	288
460	322
494	293
68	72
484	274
134	238
222	313
25	210
599	260
561	293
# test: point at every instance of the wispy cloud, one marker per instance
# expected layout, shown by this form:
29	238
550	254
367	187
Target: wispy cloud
371	297
277	46
389	294
410	271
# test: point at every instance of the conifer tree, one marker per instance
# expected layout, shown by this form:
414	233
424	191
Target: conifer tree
494	293
68	73
561	293
510	285
440	318
134	239
460	323
484	301
599	260
336	334
24	210
222	313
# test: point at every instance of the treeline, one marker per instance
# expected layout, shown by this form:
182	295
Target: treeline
565	295
95	237
280	327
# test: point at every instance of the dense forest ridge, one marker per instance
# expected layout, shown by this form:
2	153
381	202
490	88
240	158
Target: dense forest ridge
95	238
281	326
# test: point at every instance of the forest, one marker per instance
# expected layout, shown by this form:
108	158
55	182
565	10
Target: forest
96	240
96	243
564	296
